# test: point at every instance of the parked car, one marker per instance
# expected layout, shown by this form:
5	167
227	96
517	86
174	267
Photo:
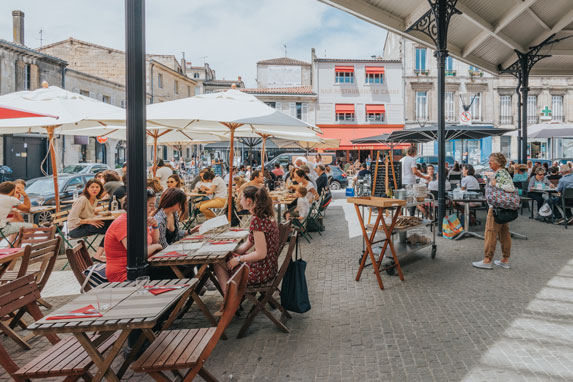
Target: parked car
564	160
41	192
433	159
285	158
85	168
339	181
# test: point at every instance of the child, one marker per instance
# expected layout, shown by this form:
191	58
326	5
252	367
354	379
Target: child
302	204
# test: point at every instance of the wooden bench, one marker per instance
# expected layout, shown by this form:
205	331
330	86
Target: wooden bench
189	348
65	359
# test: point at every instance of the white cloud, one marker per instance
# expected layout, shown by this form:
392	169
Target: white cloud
233	34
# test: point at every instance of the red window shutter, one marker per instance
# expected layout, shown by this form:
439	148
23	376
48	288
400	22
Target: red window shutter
346	69
370	109
344	108
374	70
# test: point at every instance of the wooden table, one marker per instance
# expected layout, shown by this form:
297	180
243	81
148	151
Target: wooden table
6	260
130	311
381	205
189	256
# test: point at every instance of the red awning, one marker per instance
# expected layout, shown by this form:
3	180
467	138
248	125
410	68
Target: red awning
374	70
344	108
375	109
346	134
344	68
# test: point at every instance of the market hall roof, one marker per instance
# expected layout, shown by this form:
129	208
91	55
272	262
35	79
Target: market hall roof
487	32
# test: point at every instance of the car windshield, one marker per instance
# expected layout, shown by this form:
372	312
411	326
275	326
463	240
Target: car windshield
73	169
43	187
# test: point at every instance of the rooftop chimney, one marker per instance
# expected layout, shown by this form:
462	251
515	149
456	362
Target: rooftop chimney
18	26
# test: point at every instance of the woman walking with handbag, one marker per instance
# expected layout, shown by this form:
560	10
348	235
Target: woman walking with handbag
500	181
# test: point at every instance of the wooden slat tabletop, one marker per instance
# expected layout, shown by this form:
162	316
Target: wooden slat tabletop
129	309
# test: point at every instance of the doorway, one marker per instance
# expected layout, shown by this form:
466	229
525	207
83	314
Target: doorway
24	155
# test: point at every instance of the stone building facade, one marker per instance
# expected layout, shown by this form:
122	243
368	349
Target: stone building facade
496	102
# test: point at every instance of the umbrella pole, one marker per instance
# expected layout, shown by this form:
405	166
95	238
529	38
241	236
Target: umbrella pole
263	155
50	130
154	153
231	154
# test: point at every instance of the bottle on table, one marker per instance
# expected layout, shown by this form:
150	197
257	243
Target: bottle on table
114	204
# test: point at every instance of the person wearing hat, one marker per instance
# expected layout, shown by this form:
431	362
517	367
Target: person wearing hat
520	174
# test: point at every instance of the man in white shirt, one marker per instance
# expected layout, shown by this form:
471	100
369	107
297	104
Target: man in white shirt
410	171
215	186
301	161
7	202
163	172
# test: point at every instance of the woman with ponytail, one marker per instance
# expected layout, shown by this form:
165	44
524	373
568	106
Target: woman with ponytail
260	251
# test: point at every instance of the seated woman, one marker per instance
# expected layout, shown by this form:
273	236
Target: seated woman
19	193
263	240
520	173
469	181
174	181
116	242
80	222
171	206
154	185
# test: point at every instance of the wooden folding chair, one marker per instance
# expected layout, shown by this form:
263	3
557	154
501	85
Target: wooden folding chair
189	348
44	256
79	259
34	235
262	294
21	295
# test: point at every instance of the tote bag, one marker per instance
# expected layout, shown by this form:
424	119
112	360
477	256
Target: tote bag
497	197
451	226
294	291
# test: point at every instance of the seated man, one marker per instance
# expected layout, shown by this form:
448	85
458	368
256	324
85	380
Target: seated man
363	172
566	181
7	202
212	186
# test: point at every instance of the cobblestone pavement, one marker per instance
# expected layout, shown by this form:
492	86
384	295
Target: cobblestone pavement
446	322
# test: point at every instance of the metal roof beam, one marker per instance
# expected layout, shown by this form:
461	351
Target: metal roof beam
538	19
491	30
558	27
369	13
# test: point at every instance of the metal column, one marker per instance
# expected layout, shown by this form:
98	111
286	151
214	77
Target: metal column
136	146
434	24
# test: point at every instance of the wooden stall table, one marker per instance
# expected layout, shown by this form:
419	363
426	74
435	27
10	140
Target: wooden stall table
381	205
190	251
130	310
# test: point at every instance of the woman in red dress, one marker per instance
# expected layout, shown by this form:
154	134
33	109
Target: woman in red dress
261	250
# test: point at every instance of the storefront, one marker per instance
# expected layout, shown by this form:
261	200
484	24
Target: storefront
472	151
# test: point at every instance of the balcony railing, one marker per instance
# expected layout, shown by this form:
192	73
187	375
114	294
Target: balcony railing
531	119
422	72
558	118
451	73
506	120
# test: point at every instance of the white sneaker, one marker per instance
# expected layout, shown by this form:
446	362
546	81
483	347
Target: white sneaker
500	263
480	264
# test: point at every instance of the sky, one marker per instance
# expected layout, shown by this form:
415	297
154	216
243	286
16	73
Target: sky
230	35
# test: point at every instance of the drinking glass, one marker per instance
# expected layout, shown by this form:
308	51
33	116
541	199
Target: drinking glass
40	200
104	299
140	282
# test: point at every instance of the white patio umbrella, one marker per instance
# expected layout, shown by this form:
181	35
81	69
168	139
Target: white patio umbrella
70	111
155	135
232	112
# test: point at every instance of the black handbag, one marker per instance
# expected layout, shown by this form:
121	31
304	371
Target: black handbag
294	291
504	215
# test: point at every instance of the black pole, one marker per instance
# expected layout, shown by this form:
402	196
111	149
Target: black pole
519	106
136	147
524	93
441	57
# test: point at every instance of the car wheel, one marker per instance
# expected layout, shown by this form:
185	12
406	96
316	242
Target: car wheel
43	219
335	185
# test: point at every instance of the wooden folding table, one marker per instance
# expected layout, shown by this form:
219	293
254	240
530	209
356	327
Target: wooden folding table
382	205
130	311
